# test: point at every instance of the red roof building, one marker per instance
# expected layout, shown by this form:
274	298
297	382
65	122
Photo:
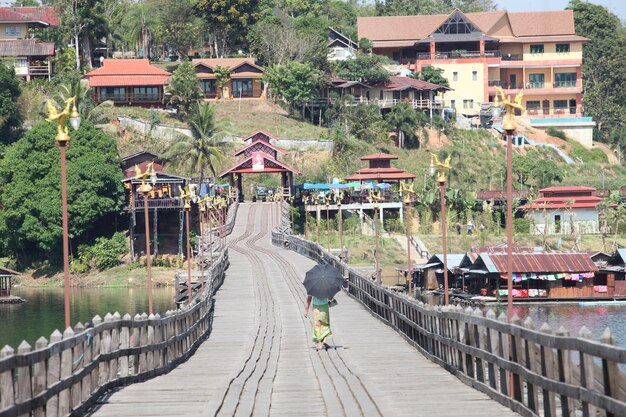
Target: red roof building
244	80
380	170
564	210
260	156
128	81
29	57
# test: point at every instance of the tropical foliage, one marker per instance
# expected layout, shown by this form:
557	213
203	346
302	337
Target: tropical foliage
10	117
30	221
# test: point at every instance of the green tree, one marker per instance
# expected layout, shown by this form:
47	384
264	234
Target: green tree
604	64
206	149
295	83
432	75
30	222
228	20
415	7
79	88
181	26
366	124
184	86
10	117
366	68
222	76
403	120
139	27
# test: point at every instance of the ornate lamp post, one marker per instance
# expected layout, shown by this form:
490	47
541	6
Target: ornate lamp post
509	128
145	189
305	201
408	194
338	199
441	169
317	217
202	209
328	223
293	230
62	141
186	196
376	197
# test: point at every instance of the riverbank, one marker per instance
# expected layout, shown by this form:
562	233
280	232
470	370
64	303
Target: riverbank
127	275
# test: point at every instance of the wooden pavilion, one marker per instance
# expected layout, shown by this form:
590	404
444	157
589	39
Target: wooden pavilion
6	282
257	157
163	202
380	170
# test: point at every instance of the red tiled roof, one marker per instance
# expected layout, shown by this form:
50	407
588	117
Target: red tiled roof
231	63
127	67
406	30
380	174
265	143
41	14
557	22
26	47
378	156
545	38
566	188
282	167
127	81
401	83
127	73
544	262
576	199
262	132
552	206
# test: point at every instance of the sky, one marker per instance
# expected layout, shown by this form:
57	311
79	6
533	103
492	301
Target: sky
617	7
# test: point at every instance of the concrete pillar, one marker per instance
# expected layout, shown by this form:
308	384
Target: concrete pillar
402	214
380	215
482	46
432	48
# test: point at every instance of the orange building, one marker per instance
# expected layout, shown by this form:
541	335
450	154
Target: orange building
538	52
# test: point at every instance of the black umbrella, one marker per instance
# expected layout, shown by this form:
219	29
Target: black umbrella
323	281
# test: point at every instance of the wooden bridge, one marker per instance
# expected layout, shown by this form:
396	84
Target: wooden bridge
246	349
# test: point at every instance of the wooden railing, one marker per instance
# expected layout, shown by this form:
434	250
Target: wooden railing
68	373
533	372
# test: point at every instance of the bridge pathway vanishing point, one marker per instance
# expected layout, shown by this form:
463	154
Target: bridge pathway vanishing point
259	359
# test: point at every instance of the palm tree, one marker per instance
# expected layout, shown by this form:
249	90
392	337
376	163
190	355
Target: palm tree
222	75
205	149
84	100
403	119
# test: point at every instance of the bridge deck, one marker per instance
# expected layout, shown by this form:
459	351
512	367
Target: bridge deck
259	359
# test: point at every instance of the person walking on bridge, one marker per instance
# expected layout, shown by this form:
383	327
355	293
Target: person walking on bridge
322	282
321	320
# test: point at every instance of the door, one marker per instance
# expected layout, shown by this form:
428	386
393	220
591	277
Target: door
512	81
557	223
572	106
546	107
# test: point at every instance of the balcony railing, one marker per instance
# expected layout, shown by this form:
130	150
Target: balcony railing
460	55
532	85
160	203
512	57
564	84
131	97
38	70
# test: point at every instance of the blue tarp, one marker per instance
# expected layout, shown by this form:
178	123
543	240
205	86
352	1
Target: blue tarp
335	186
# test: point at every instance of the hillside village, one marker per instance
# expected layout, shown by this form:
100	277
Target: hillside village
372	83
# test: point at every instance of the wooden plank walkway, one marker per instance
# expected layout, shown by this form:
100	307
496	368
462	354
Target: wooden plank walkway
259	359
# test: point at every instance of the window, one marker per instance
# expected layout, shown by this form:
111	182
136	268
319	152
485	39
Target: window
468	104
382	95
13	31
565	79
474	75
146	94
562	47
209	88
455	76
536	80
536	49
453	104
533	105
456	24
242	88
113	93
560	104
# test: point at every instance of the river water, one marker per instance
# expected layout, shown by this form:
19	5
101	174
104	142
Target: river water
44	310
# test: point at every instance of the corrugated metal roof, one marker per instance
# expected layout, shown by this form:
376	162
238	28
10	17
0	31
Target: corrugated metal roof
453	259
540	262
41	14
26	47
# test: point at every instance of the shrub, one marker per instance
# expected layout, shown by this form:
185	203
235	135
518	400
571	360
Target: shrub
521	225
103	254
553	131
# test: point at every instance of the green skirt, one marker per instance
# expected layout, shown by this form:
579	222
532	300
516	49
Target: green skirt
321	323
